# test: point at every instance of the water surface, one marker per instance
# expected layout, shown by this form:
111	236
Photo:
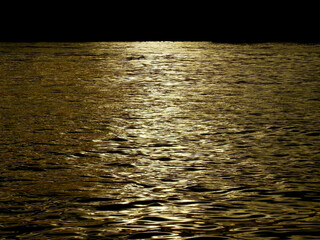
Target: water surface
161	140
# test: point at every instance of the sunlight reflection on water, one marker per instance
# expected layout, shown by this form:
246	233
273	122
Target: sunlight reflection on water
163	140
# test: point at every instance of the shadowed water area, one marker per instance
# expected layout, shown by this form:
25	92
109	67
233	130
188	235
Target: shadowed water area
159	140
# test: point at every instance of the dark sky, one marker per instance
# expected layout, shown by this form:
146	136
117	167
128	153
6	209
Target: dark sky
160	21
208	31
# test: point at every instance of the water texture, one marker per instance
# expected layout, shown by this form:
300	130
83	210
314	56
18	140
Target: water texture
159	140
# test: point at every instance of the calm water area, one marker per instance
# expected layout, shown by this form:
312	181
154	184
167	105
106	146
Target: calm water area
159	140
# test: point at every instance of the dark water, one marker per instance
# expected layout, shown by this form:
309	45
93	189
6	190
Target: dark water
161	140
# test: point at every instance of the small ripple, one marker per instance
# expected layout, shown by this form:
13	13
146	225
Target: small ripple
150	234
81	155
313	134
94	199
163	158
125	165
163	144
199	189
154	219
117	152
124	206
118	139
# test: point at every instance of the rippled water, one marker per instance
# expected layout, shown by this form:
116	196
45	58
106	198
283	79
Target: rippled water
162	140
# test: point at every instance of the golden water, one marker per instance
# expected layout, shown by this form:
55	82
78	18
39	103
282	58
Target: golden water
161	140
